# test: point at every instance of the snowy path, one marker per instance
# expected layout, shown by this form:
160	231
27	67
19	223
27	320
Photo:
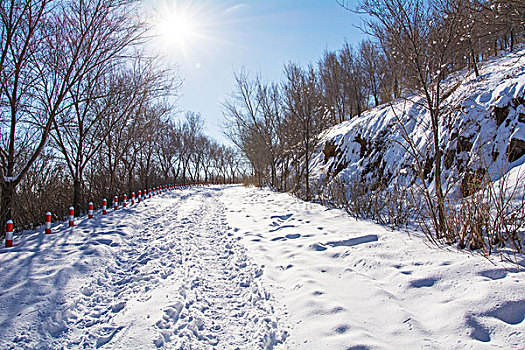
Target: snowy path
168	275
244	268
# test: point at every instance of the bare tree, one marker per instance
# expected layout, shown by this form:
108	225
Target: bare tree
22	138
371	60
306	116
331	79
353	80
251	116
426	44
49	48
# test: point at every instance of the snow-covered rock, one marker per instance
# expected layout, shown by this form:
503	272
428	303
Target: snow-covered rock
482	133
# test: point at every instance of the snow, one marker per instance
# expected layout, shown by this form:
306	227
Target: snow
162	273
231	267
472	137
353	284
519	134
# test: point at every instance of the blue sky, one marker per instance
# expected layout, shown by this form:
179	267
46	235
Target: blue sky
216	38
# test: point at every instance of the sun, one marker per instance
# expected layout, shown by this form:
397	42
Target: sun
178	29
188	30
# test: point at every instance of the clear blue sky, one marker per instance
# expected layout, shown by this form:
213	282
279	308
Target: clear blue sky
210	39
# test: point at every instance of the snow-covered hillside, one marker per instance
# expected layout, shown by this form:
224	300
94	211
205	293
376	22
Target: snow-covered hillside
229	267
482	132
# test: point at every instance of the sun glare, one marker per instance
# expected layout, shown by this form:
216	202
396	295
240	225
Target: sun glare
188	30
178	29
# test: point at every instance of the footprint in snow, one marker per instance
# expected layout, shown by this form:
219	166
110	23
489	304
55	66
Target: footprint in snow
282	217
342	329
497	274
511	312
104	241
282	227
478	331
318	247
354	241
118	307
423	282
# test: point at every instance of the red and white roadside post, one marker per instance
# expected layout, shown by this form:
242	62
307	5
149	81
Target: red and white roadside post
153	192
133	198
71	216
90	210
9	234
149	193
115	203
125	203
139	197
48	223
104	206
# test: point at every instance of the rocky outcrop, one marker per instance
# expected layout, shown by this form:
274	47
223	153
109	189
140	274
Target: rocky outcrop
482	135
516	149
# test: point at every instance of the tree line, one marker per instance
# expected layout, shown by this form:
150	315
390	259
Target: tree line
86	112
413	46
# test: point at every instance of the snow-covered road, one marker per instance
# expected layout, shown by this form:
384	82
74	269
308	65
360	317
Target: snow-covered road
244	268
164	273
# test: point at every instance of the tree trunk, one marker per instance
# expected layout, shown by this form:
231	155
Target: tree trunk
77	195
273	171
474	61
307	161
441	229
8	196
130	179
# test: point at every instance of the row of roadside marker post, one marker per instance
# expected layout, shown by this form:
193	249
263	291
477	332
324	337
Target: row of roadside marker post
142	196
